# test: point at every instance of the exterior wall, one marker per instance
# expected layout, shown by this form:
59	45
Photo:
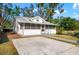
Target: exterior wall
20	32
50	31
27	32
32	32
53	31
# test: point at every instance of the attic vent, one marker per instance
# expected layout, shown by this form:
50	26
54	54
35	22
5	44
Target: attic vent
30	20
42	21
37	20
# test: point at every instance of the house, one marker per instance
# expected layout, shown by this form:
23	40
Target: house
33	26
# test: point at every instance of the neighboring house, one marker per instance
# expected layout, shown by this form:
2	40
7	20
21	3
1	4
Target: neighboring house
33	26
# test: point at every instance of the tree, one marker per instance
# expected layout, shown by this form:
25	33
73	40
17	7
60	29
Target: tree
67	23
47	10
1	9
76	24
31	10
28	12
17	10
8	13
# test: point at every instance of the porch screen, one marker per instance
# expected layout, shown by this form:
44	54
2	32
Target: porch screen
27	26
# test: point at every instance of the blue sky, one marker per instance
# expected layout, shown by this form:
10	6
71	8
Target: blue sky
70	10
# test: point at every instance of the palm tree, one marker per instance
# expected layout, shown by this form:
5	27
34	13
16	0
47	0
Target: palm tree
1	11
17	10
31	10
47	10
28	11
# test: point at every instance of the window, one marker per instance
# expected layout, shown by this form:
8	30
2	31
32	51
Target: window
30	20
32	26
27	26
21	26
51	27
37	20
37	26
47	27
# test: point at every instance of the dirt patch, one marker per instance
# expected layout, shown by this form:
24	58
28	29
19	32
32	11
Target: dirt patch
13	36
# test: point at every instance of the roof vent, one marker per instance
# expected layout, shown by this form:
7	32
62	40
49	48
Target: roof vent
30	20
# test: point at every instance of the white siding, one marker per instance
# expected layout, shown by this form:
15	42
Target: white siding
32	32
50	31
53	31
20	32
27	32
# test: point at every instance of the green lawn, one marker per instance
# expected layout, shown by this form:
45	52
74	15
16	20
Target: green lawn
7	49
67	37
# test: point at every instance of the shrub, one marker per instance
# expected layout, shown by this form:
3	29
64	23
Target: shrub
76	34
60	30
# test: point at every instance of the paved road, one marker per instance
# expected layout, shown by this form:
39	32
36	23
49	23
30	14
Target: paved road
43	46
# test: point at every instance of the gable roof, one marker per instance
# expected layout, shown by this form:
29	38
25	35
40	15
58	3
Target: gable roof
31	20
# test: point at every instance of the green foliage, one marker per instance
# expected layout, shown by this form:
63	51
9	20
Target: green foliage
67	23
47	10
60	30
7	24
77	24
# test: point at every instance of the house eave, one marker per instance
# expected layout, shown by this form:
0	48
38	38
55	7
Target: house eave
38	23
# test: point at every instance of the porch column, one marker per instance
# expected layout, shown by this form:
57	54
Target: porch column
23	28
45	29
29	26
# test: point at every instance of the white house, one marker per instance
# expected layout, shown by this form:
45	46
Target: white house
33	26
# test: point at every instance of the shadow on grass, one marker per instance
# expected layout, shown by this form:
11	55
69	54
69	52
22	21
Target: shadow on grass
3	38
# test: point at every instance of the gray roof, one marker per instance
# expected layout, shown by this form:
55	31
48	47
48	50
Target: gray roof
30	20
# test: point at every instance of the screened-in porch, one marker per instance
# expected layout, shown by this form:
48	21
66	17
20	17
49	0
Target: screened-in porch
33	29
36	26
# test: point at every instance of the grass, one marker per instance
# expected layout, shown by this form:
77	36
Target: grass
6	45
7	49
67	37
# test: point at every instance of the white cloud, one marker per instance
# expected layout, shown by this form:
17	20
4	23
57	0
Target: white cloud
57	11
76	16
76	6
75	13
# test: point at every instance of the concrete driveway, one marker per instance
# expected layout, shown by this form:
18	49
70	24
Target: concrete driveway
41	46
